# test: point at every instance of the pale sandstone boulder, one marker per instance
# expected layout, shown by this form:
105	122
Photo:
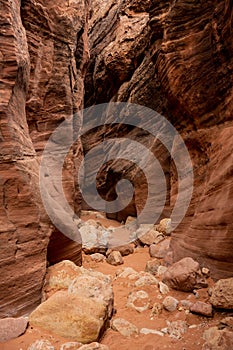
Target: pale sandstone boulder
222	294
71	316
184	275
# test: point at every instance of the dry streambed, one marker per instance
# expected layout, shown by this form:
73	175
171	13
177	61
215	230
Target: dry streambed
127	298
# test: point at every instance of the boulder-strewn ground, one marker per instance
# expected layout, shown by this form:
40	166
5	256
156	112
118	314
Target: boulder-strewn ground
172	56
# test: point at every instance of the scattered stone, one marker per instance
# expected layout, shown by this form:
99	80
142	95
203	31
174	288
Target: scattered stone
222	294
71	346
226	322
165	226
186	303
160	250
124	250
156	310
11	328
151	331
94	346
161	270
185	275
130	219
205	271
217	339
202	308
124	327
170	303
163	288
138	301
94	237
115	258
41	345
152	266
176	328
127	272
98	257
149	237
146	279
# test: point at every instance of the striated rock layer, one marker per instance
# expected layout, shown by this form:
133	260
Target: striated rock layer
41	84
176	58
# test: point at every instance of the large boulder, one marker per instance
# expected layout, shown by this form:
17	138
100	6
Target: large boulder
71	316
184	275
222	294
79	304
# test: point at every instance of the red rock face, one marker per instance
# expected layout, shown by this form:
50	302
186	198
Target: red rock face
174	57
41	83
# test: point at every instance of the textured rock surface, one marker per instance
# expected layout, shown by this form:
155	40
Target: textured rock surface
11	328
217	339
23	226
156	55
222	294
185	275
41	74
80	319
124	327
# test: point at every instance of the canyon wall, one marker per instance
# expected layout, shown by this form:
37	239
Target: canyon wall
176	58
43	53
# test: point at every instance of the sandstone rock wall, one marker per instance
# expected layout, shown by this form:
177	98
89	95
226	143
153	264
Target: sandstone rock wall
43	52
175	57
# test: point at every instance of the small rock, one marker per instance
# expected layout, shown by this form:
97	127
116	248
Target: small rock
170	303
71	346
137	298
202	308
145	280
161	270
151	331
127	272
130	219
165	226
163	288
124	250
98	257
152	266
149	237
11	328
41	345
115	258
217	339
226	322
160	250
222	294
176	329
94	346
186	303
185	275
205	271
124	327
156	310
